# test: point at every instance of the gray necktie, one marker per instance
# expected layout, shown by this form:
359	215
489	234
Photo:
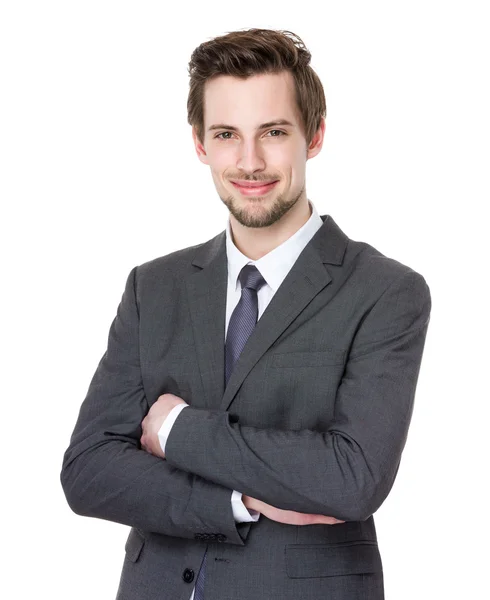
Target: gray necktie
242	322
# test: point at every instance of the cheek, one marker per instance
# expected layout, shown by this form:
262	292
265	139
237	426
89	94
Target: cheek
285	158
221	158
298	164
221	167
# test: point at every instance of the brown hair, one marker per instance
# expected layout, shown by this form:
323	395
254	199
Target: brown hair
253	52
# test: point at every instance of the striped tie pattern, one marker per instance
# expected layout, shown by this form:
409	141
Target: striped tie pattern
241	325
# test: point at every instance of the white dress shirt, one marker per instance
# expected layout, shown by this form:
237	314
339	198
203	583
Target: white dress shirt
274	266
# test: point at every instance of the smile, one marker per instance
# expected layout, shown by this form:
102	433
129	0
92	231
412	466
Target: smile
255	190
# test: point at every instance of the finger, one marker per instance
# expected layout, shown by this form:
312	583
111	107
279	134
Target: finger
146	449
325	519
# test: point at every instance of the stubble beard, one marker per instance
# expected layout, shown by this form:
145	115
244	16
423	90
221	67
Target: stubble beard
264	218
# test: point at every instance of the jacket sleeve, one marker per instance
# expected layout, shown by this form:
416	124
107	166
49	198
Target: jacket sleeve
348	470
106	474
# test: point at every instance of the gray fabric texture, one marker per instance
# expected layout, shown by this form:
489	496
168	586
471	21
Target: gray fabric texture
314	419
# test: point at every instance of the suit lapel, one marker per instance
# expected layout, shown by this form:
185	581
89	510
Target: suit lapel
207	291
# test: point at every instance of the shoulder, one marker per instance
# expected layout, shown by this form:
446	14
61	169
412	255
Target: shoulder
374	271
360	262
177	263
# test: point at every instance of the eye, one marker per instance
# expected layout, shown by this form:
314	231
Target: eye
223	133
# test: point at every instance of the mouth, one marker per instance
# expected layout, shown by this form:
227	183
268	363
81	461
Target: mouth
255	188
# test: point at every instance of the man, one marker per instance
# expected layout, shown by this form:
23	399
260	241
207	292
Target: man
250	412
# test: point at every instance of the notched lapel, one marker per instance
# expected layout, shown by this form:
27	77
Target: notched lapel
206	291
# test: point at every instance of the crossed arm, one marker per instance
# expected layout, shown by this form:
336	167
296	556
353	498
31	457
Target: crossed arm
106	473
156	427
348	470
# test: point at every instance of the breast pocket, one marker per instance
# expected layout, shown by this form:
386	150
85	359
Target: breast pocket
307	359
300	387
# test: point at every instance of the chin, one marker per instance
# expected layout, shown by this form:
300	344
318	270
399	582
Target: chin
258	211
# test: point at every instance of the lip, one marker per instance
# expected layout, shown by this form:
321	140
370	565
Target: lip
255	189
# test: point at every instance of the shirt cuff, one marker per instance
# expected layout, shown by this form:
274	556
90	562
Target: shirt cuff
167	425
241	513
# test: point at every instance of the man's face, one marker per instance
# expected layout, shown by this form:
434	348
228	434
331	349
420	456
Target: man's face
239	150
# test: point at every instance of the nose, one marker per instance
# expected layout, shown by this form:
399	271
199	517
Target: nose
250	157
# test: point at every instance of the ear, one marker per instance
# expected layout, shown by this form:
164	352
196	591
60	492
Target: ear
317	141
201	152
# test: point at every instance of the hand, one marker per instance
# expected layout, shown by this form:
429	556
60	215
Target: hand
154	420
290	517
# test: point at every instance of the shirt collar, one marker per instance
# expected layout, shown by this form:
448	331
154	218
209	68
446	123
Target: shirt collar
275	265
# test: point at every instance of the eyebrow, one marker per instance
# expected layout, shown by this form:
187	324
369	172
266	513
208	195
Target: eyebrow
263	126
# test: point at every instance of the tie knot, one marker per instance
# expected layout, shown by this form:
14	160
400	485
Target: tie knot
251	278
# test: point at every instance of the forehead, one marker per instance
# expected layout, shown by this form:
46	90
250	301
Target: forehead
245	102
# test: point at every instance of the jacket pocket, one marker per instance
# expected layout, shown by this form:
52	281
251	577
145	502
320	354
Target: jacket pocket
134	544
328	560
332	356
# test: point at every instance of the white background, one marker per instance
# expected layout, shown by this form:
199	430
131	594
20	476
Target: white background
99	174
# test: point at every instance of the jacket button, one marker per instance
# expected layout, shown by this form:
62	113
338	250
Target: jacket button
188	575
221	537
198	536
233	418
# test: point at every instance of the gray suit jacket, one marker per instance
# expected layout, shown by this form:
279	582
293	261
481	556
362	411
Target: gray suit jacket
314	419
